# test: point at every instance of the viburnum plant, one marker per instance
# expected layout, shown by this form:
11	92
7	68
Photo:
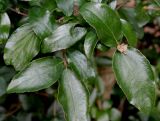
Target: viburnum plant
57	40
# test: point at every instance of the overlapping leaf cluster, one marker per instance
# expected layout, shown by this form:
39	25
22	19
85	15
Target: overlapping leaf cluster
56	41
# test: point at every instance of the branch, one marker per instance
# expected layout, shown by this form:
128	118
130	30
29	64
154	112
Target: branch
151	8
18	11
64	58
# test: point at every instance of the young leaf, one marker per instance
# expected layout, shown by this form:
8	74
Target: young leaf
83	67
90	44
39	74
72	95
129	33
21	47
4	27
63	37
135	77
104	20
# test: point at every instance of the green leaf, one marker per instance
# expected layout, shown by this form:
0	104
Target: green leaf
3	5
90	44
39	74
43	25
102	47
5	25
157	2
83	67
129	33
24	43
3	86
113	4
98	1
63	37
21	47
104	20
135	77
130	14
72	95
67	6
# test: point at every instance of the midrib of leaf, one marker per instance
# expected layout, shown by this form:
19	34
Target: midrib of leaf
103	24
70	87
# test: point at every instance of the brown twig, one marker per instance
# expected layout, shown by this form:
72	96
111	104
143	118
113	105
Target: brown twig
18	11
14	109
64	58
151	8
121	4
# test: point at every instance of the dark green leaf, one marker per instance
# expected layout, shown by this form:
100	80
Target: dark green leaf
21	47
44	4
90	44
40	74
129	14
4	27
83	67
104	20
3	86
72	95
24	43
7	73
43	25
135	77
67	6
129	33
63	37
102	47
141	15
103	61
157	2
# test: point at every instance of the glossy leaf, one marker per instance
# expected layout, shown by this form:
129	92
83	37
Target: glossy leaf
72	95
21	47
67	6
63	37
129	33
83	67
104	20
4	27
90	44
40	74
135	77
113	4
43	25
130	14
24	43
